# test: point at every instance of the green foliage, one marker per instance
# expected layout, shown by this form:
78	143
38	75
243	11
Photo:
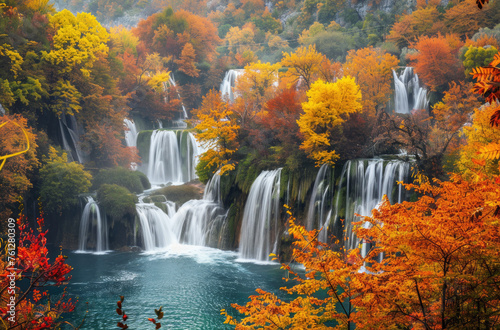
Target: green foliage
62	182
477	56
118	202
143	144
134	181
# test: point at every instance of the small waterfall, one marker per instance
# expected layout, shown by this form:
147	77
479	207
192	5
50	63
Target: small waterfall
173	157
156	227
260	226
130	133
228	84
362	185
408	94
93	229
70	135
171	80
319	212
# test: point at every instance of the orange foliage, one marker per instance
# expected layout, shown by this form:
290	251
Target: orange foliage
429	264
186	61
372	68
436	60
14	175
465	18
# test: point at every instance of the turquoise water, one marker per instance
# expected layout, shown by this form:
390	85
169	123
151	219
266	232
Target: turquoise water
191	283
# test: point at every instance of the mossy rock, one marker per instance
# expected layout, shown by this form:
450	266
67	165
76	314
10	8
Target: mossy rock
134	181
181	194
118	202
143	144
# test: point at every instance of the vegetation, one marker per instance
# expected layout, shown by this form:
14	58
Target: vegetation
315	87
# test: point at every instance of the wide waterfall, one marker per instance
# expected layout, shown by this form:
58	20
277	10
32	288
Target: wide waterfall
93	228
408	94
130	133
362	185
172	157
260	226
197	222
320	208
227	85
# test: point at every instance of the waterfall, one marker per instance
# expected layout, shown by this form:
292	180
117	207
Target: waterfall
93	229
70	135
130	133
259	229
362	185
171	80
228	83
156	227
408	94
319	212
197	222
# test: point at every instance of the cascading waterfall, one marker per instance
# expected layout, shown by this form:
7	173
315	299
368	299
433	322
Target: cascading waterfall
362	185
319	212
172	157
408	94
197	222
228	83
171	80
156	227
203	222
93	228
130	133
260	226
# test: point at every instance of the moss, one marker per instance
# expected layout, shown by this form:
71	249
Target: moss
143	144
134	181
118	202
181	194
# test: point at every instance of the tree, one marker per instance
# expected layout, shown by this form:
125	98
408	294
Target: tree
33	272
77	43
186	61
327	107
254	88
18	161
429	264
62	182
303	64
436	60
217	133
372	69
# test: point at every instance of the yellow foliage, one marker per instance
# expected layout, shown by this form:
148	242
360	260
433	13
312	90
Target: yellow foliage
78	42
304	64
217	133
324	112
16	59
158	81
479	135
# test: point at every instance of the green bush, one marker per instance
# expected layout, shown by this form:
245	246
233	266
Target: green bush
118	202
181	194
62	182
134	181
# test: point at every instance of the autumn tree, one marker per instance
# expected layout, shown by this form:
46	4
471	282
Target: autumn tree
303	65
77	43
217	133
254	88
17	160
35	307
372	69
327	107
428	264
436	60
186	61
477	137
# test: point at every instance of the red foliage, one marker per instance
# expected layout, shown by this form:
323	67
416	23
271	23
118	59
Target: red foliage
27	275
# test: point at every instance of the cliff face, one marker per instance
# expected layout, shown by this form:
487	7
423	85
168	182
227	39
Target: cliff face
364	7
